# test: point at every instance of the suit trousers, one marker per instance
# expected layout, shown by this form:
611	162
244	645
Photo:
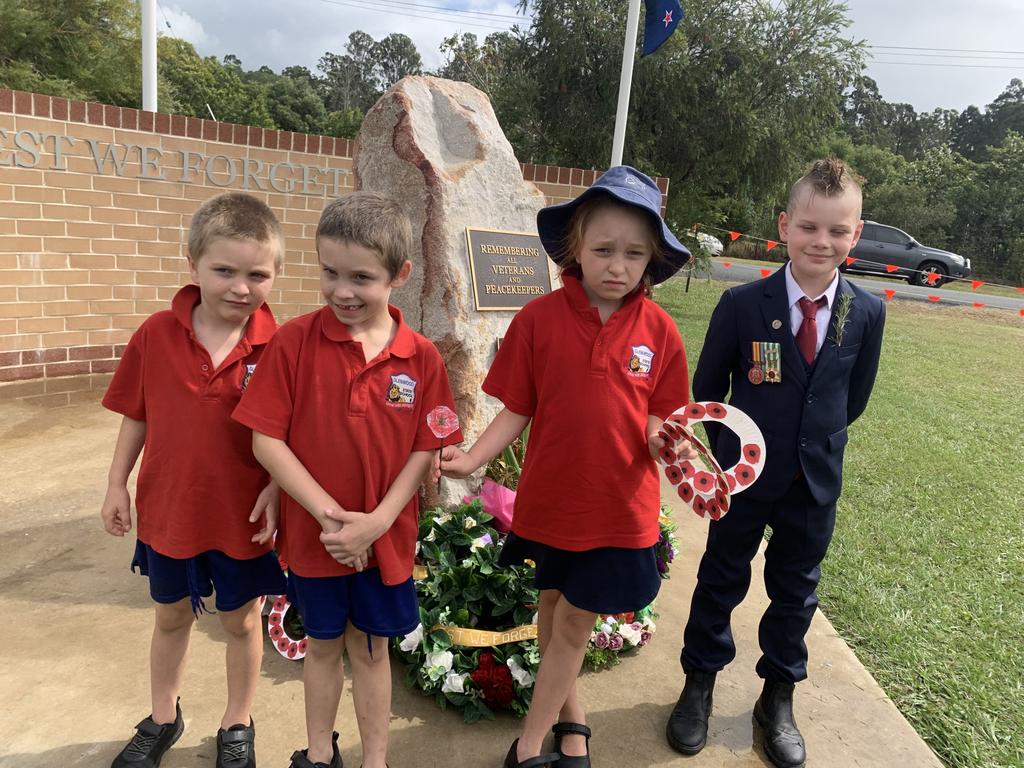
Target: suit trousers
801	530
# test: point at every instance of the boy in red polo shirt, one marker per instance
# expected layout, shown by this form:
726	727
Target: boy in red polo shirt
339	417
200	492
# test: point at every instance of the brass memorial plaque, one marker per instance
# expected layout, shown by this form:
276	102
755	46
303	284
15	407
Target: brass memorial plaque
509	268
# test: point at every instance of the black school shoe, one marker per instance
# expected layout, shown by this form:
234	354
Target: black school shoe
236	746
299	759
147	747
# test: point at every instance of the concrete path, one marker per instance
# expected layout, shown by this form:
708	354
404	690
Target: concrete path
76	626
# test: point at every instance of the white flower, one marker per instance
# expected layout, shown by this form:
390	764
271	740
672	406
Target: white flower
630	635
606	628
442	518
522	676
454	682
468	523
650	626
412	640
431	536
439	660
481	542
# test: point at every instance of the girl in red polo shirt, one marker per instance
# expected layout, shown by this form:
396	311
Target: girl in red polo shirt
596	366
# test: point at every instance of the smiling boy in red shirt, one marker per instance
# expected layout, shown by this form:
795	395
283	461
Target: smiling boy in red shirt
339	417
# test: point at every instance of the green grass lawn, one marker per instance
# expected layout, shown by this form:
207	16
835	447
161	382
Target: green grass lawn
925	577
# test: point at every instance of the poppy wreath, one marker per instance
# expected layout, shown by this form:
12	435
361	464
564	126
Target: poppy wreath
285	629
701	483
475	648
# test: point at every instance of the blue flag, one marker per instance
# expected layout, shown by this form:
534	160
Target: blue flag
660	21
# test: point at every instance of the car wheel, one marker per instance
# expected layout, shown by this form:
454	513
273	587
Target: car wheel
921	276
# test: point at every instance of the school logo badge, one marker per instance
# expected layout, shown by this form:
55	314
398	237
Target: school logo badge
247	375
402	390
640	361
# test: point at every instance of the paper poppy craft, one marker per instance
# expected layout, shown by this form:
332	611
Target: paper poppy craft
705	487
286	645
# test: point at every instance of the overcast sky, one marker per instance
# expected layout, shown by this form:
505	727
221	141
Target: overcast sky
265	33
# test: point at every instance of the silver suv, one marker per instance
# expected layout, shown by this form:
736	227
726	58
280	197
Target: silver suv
880	246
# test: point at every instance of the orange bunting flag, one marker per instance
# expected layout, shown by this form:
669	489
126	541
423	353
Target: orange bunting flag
979	304
734	235
1020	288
726	264
765	272
1022	311
771	244
931	277
934	298
850	260
891	267
976	284
889	293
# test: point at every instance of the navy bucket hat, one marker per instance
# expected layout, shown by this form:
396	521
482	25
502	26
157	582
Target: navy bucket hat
629	186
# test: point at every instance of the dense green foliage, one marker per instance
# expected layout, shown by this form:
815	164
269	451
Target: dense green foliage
730	108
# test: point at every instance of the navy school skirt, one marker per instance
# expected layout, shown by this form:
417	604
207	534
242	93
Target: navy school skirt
606	580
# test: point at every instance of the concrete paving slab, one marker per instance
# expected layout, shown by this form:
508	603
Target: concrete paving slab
76	626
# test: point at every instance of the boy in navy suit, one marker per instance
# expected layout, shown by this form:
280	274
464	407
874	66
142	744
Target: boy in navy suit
799	351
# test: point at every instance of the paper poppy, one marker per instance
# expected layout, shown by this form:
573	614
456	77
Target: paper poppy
442	421
282	644
687	468
732	482
752	453
667	453
722	498
716	411
685	492
704	481
674	474
276	632
672	430
744	474
694	411
713	509
274	618
280	603
700	506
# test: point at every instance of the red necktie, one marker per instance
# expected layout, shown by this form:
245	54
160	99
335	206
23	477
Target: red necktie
807	336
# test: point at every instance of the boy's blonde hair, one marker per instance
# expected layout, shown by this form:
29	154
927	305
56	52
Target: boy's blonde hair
235	216
372	221
565	258
829	177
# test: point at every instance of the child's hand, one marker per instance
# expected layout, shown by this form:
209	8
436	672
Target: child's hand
455	462
266	507
117	511
351	543
684	450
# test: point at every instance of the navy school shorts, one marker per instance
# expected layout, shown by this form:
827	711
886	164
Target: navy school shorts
327	604
235	581
606	580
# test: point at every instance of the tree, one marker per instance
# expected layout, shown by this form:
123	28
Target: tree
86	49
395	57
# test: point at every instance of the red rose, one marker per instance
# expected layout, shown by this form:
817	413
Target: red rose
494	681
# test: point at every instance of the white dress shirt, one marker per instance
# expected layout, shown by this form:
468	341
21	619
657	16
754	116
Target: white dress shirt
796	316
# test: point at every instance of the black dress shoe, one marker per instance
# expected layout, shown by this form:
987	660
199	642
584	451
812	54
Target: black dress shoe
773	711
687	729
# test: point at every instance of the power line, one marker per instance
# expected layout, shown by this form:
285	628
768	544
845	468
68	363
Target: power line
948	50
954	56
1019	67
425	12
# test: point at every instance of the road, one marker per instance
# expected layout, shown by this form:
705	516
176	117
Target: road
744	273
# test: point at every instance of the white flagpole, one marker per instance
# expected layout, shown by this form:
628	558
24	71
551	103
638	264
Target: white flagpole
625	81
149	55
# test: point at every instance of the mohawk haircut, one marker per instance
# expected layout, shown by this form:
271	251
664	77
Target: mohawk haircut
829	177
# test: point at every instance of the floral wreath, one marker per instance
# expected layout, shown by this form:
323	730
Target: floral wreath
475	648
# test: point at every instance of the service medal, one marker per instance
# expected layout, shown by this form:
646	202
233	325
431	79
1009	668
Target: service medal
756	372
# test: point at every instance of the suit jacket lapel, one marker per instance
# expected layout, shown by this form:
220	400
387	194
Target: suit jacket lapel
829	349
775	307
